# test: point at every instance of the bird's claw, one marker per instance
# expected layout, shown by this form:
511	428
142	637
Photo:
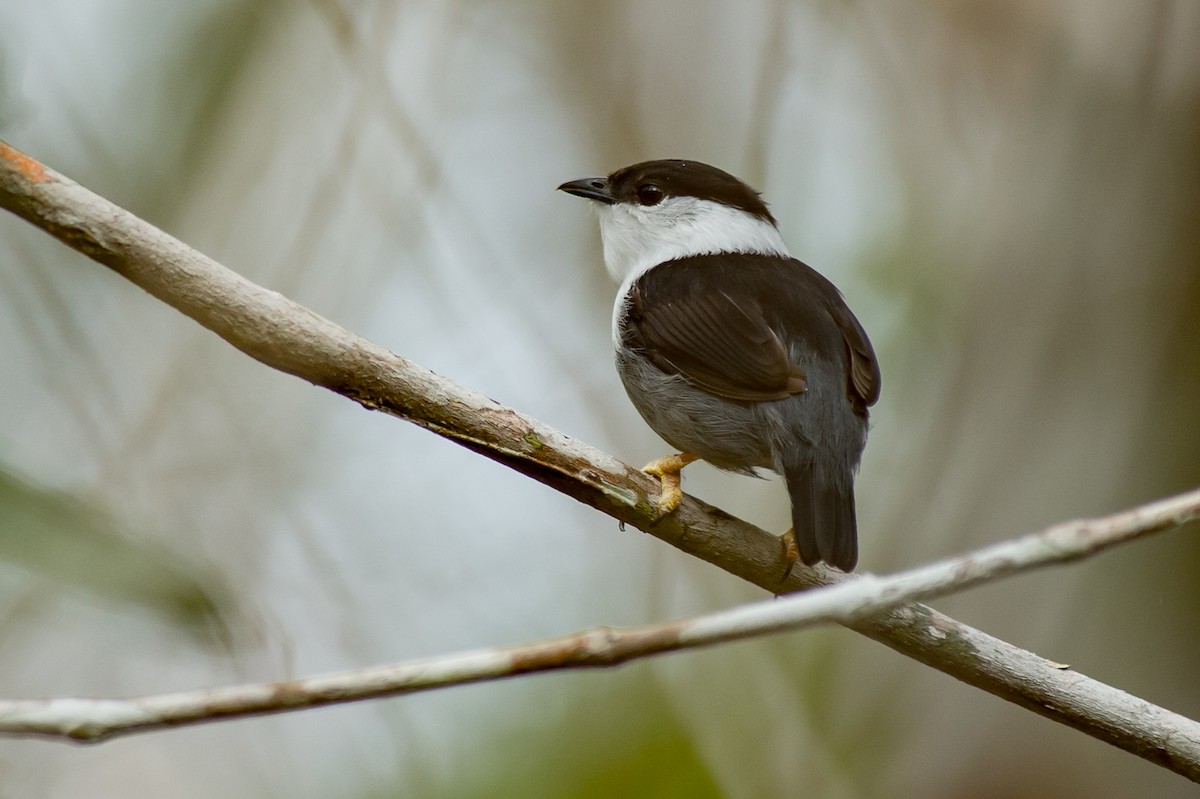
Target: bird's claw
791	553
667	471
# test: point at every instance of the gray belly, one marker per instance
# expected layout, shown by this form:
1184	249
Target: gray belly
741	436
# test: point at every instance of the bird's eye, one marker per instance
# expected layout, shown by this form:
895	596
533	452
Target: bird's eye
649	194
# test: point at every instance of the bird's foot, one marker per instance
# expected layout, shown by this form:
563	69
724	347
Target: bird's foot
791	553
667	471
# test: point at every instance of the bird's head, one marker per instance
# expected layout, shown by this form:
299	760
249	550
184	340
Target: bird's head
659	211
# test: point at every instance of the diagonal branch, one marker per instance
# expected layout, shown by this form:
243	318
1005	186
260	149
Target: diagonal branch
291	338
848	602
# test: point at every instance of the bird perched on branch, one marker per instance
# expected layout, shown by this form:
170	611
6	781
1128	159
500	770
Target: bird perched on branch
731	349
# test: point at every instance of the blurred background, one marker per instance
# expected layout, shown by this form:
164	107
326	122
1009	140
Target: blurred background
1008	193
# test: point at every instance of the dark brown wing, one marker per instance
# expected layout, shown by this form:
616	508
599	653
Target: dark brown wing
730	324
720	342
864	369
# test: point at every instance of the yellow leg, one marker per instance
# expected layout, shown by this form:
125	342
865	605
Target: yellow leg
667	471
791	552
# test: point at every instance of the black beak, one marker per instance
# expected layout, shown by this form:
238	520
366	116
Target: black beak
592	188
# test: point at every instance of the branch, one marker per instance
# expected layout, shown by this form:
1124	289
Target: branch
848	602
291	338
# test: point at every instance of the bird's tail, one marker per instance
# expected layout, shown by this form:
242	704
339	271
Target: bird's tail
823	518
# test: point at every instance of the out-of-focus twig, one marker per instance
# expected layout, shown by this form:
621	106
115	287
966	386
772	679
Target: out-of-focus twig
289	337
847	602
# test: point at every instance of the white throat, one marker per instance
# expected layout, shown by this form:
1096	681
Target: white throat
638	237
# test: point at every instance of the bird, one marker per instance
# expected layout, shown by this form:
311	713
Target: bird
732	350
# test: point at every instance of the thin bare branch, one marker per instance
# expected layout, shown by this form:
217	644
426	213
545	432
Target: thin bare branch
289	337
93	720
